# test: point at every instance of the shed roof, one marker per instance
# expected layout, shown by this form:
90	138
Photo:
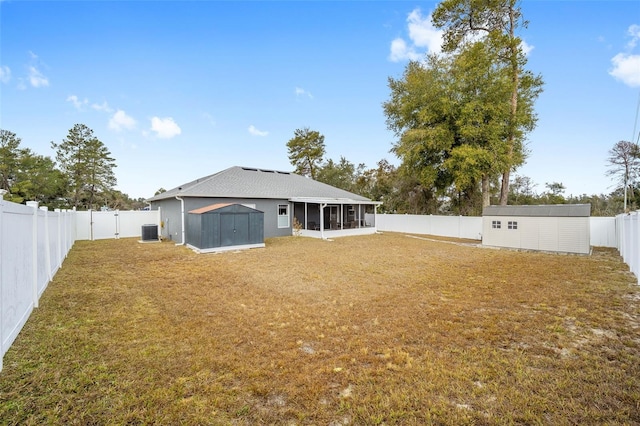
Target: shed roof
209	208
247	182
235	207
550	210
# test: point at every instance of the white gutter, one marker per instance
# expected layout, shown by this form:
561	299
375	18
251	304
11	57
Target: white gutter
182	214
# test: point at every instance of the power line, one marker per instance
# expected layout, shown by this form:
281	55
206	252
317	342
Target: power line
635	122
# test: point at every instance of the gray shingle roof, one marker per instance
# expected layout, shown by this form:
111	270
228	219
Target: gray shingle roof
247	182
551	210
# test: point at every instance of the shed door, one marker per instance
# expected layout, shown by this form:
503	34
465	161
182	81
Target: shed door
234	229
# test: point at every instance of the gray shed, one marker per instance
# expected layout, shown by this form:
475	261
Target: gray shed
221	227
561	228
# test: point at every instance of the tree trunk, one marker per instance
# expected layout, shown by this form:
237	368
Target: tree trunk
486	196
515	79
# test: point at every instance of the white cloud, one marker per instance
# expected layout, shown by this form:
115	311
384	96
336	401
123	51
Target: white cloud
102	107
36	78
77	102
401	52
165	128
301	92
256	132
423	33
626	68
634	33
121	121
5	74
626	65
424	38
526	47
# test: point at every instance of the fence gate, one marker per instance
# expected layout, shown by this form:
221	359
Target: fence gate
99	225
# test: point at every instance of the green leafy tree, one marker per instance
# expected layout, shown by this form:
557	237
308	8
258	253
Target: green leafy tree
88	165
27	176
306	151
378	183
479	89
342	174
421	114
496	23
10	153
39	180
449	114
117	200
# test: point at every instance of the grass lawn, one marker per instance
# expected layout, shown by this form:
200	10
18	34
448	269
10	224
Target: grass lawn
380	329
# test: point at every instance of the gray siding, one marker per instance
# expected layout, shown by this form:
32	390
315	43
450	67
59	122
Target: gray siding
171	217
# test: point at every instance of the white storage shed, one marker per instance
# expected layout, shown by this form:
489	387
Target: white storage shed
561	228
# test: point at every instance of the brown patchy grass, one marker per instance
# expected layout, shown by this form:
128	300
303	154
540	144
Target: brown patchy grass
382	329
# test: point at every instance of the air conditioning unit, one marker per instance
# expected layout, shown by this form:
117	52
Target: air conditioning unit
150	232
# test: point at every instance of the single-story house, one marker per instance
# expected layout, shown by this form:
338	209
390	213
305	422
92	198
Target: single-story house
291	204
560	228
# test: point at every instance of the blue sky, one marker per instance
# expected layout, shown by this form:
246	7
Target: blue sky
180	90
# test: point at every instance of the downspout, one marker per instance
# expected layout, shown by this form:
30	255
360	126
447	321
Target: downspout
182	215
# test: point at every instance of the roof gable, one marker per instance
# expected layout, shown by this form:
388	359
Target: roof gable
247	182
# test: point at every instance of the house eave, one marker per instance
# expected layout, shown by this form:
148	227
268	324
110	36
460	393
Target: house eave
319	200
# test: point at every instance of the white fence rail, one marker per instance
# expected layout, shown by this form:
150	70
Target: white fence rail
98	225
603	230
628	233
443	226
33	244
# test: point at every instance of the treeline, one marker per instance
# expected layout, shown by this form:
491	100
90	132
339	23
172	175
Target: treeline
404	192
81	176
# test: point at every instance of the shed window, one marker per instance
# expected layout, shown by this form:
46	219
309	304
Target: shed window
283	215
496	224
512	225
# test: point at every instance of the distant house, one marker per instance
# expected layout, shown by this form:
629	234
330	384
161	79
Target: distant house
560	228
290	202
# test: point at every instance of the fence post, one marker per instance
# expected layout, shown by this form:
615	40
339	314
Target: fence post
34	257
1	285
636	258
47	250
60	237
117	215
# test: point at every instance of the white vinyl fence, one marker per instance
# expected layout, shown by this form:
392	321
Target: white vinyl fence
443	226
33	244
603	230
98	225
628	231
